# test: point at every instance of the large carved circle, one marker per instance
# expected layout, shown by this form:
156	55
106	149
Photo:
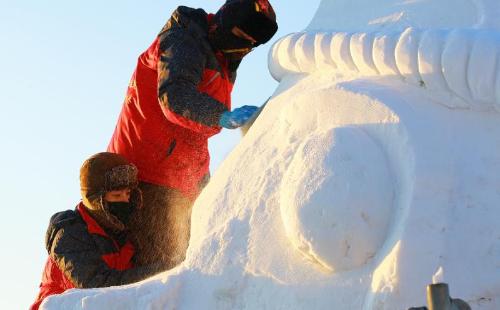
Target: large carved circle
337	198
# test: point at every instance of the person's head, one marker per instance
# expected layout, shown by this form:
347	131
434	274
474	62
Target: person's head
241	25
108	184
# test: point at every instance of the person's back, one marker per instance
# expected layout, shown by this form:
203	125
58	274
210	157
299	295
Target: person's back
88	247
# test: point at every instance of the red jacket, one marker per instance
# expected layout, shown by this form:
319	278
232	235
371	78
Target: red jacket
177	93
83	255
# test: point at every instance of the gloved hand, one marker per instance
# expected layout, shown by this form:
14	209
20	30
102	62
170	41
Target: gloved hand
238	117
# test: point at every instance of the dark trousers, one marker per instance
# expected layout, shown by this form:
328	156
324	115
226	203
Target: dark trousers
161	228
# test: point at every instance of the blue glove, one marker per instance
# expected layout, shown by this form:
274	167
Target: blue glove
238	117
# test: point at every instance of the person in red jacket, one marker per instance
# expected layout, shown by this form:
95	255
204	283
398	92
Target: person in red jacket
178	97
88	246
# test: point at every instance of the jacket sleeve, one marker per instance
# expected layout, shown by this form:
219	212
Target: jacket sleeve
180	69
78	258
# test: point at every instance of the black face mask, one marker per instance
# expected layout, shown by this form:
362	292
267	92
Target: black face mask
122	210
226	41
234	62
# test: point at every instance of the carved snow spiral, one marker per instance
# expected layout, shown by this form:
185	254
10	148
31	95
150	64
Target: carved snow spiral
463	65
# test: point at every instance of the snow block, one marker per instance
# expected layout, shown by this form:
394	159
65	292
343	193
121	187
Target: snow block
384	45
482	68
284	60
455	60
429	60
322	51
304	52
341	53
361	51
406	56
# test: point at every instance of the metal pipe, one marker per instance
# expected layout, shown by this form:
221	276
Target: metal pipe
438	297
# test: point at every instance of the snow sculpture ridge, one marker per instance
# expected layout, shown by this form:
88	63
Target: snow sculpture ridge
460	65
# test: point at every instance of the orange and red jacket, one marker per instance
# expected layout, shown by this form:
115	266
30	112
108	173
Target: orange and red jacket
174	101
83	255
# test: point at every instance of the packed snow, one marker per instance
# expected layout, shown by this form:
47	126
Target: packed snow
367	15
373	171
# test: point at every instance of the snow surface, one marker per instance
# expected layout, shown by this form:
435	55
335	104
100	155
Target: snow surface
369	15
373	171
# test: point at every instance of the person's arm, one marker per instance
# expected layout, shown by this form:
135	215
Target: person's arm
79	260
180	69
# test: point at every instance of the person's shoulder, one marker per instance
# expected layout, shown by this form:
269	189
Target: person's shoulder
185	17
67	223
64	218
190	12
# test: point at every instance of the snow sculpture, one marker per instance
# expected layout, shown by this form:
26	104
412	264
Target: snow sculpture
374	169
460	65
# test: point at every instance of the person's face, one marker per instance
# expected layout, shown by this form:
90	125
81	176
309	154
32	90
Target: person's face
122	195
240	52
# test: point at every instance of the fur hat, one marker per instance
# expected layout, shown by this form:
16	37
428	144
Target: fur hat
255	17
105	172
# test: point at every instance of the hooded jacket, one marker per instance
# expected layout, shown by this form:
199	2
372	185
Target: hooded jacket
83	255
174	101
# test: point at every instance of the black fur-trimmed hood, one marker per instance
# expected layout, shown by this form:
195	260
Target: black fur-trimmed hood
58	221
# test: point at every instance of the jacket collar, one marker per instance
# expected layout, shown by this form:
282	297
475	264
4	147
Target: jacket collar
93	226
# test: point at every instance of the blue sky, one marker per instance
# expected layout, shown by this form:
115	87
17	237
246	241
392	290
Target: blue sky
64	68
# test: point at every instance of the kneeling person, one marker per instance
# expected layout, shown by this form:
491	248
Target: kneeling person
88	247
